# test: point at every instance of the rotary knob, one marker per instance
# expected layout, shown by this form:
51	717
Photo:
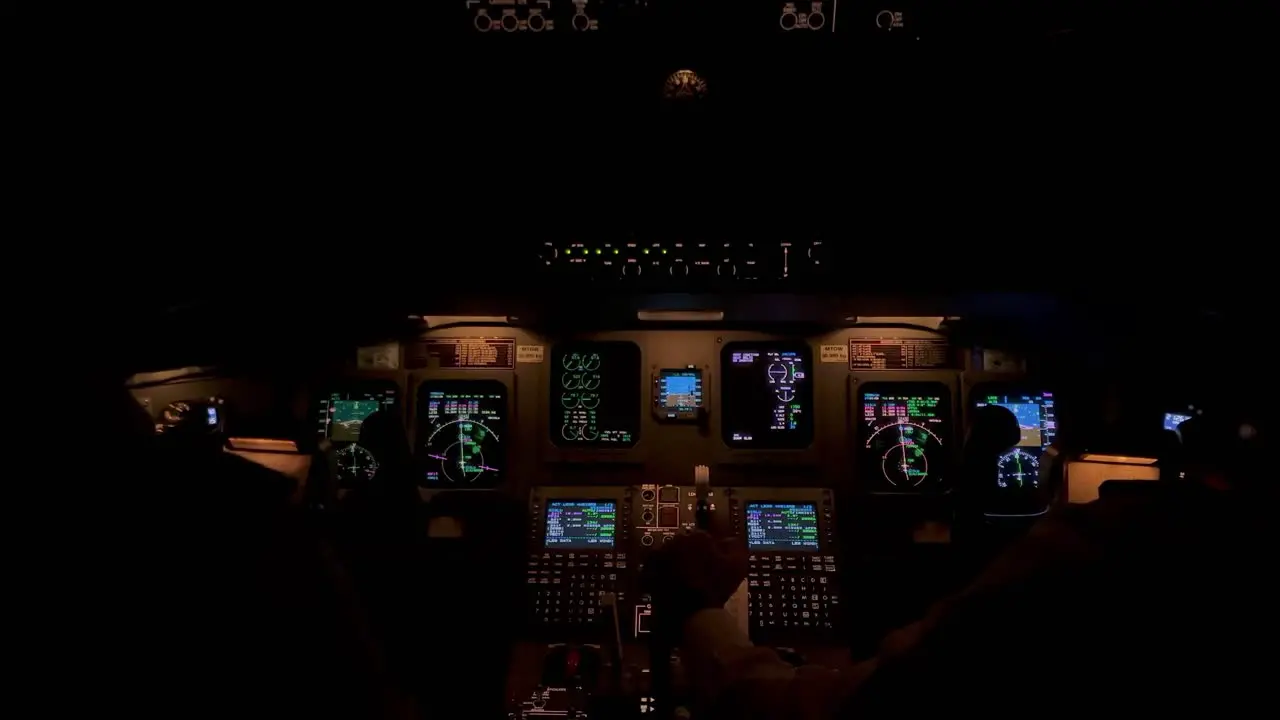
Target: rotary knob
726	269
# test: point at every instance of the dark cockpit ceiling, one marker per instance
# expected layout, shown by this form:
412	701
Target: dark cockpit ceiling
314	307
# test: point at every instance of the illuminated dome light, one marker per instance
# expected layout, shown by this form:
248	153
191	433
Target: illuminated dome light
684	85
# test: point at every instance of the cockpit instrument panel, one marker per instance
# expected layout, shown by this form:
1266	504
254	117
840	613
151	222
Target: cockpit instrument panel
1019	469
460	428
677	394
767	395
904	428
340	416
595	395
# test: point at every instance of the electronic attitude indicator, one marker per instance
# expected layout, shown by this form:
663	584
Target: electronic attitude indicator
460	428
1037	427
904	433
677	395
340	416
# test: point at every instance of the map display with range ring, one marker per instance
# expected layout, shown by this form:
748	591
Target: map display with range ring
904	430
460	428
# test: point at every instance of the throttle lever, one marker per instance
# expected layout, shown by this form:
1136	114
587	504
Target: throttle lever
660	644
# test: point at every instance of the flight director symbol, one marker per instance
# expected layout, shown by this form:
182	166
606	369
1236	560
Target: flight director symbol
803	16
489	17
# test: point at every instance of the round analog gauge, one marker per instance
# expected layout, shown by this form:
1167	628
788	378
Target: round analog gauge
591	381
905	451
355	465
580	431
459	448
581	362
571	381
1018	469
573	400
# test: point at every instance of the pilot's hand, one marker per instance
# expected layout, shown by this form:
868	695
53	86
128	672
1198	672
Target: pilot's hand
692	573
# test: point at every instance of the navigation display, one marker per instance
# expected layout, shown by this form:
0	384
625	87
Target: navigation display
767	395
904	428
677	394
1037	425
1173	420
581	524
782	526
340	416
460	428
595	395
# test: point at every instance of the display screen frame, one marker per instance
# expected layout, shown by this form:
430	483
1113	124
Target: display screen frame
980	396
816	547
422	425
631	380
1018	487
679	413
578	547
868	465
768	440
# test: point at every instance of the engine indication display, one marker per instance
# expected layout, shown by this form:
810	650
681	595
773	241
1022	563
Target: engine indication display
677	394
340	416
904	427
767	395
595	401
461	424
1037	426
